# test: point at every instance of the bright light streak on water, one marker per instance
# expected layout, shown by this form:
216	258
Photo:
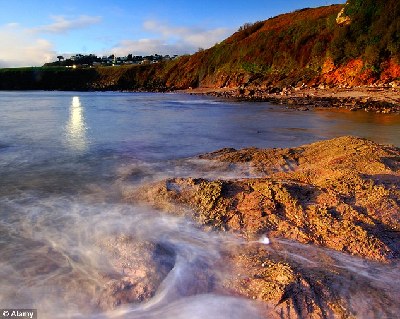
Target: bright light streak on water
76	127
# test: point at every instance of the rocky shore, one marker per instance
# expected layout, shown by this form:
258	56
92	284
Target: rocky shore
380	99
331	211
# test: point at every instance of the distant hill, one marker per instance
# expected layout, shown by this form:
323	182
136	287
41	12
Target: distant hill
352	44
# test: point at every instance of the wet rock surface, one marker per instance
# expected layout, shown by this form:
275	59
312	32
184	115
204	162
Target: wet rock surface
342	195
140	267
303	282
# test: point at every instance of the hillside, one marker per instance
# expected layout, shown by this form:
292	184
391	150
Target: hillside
288	47
353	44
360	45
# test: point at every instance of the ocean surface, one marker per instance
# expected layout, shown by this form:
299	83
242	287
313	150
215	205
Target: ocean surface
67	157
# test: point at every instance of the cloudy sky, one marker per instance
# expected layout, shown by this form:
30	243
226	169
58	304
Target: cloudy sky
35	32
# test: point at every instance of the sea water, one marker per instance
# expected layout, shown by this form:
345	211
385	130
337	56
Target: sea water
65	158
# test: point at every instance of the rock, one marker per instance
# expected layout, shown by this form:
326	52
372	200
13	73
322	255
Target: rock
395	84
140	267
342	194
342	19
303	108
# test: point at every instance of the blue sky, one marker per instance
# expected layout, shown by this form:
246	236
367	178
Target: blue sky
35	32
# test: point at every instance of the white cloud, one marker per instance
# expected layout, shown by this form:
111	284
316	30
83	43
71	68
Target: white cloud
27	46
172	40
19	48
194	36
148	46
62	25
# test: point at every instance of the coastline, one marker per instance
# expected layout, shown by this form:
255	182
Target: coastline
382	97
378	99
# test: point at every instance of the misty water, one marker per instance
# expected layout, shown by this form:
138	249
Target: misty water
66	231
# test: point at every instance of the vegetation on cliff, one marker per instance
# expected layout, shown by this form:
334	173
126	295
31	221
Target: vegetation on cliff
373	32
308	45
286	48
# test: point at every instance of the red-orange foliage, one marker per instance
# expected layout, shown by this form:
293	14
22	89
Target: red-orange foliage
390	71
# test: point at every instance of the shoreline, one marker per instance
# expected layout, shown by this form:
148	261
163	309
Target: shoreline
384	99
378	99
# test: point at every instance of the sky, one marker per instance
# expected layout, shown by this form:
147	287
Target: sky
35	32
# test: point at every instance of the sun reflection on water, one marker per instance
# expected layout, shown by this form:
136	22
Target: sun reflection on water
76	126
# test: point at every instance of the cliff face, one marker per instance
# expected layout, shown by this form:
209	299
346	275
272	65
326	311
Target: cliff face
352	44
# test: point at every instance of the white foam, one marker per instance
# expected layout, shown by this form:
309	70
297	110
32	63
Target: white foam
264	240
